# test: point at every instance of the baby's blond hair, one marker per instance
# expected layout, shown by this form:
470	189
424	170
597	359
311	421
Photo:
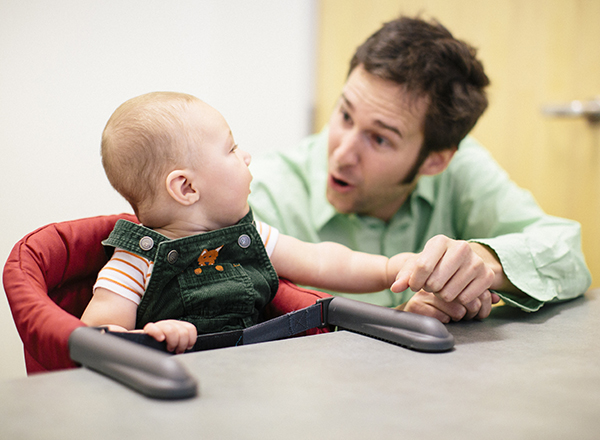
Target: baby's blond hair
144	139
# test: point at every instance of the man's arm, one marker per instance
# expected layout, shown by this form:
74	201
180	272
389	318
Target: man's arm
535	257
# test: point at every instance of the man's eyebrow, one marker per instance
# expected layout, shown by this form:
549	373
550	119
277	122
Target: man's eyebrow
377	122
388	127
347	102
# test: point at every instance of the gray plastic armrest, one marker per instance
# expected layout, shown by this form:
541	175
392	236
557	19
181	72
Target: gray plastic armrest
410	330
144	369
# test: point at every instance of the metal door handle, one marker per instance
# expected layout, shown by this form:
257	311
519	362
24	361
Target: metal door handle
587	109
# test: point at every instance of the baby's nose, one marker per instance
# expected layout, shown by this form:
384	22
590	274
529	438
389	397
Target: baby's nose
247	158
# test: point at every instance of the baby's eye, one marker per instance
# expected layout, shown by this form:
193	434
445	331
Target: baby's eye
235	147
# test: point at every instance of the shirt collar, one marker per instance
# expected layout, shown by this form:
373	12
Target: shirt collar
425	189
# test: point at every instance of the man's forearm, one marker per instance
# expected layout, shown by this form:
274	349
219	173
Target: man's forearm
501	283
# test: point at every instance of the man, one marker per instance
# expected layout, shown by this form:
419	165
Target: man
395	171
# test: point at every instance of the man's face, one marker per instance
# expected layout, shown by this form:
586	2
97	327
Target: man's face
375	136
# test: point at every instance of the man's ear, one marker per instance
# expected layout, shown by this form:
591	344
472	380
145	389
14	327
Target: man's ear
181	187
437	161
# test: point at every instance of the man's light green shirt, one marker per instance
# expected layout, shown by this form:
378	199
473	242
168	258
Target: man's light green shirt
473	199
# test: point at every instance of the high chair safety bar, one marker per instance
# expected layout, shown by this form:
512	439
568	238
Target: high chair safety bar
156	374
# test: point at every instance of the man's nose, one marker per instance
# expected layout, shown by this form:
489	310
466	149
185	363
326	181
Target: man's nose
347	153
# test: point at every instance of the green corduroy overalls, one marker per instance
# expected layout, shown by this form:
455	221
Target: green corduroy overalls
218	281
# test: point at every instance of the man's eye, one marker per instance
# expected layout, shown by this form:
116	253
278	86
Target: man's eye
379	140
345	116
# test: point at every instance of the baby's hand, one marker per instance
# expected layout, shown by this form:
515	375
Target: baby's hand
395	265
179	335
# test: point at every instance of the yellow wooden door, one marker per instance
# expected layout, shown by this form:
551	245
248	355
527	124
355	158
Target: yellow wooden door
536	53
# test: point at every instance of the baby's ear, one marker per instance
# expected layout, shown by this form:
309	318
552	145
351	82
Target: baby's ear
181	188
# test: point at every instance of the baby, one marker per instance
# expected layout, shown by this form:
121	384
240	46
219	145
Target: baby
199	263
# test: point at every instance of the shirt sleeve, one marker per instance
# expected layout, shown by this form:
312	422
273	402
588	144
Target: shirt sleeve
269	236
125	274
540	254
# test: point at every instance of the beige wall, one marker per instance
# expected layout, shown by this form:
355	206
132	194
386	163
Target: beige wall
536	52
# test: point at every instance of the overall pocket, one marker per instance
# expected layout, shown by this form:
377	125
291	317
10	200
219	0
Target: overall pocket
219	297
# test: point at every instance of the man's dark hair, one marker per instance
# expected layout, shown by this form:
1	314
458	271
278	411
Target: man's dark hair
427	60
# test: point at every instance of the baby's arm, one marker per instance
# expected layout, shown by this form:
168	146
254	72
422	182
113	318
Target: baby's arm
333	266
107	309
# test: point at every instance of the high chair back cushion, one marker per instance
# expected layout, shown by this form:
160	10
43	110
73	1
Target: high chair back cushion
48	281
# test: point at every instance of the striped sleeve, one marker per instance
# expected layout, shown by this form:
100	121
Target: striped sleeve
125	274
269	236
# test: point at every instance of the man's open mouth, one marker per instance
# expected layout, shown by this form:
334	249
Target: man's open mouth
339	182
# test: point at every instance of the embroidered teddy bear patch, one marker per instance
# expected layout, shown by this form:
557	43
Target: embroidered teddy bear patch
208	258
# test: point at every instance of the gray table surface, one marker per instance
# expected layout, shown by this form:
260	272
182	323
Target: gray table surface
511	376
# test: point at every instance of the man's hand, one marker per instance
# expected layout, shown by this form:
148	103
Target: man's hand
428	304
179	335
452	279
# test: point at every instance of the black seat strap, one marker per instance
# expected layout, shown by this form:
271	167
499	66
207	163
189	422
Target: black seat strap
281	327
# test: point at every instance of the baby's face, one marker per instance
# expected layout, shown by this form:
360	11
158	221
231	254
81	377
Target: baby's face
222	168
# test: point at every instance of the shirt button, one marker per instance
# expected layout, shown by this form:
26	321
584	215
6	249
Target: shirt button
244	241
146	243
172	256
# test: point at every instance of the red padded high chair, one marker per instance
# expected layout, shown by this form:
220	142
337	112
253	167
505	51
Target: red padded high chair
48	280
